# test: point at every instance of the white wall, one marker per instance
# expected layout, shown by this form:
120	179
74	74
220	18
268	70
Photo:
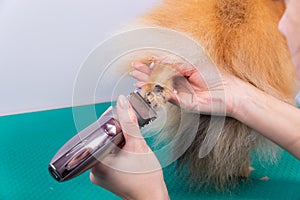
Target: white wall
43	43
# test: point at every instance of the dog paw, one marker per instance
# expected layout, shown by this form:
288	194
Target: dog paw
155	95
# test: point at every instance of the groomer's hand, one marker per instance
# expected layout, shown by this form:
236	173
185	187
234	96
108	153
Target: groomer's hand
134	172
205	90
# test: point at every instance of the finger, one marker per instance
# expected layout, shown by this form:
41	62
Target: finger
99	171
174	98
140	76
185	100
129	125
127	118
142	67
139	84
104	176
185	70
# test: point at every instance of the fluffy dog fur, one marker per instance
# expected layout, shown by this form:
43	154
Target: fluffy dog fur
242	38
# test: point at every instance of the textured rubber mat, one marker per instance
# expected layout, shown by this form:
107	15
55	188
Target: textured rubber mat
28	142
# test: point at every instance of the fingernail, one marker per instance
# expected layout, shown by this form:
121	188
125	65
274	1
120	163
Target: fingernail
151	65
123	102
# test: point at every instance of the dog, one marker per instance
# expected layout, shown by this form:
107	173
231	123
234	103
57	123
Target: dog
241	37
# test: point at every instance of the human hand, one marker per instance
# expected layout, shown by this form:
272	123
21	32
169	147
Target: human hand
205	90
134	172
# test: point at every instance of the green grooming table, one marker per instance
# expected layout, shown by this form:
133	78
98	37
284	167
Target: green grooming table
28	142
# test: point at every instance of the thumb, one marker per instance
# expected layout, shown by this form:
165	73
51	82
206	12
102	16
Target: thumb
185	100
129	125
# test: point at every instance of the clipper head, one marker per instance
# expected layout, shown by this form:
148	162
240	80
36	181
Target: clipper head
93	143
143	109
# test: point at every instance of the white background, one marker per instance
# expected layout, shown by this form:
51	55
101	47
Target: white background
43	43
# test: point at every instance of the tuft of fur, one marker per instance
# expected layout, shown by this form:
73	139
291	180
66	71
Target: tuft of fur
242	38
228	161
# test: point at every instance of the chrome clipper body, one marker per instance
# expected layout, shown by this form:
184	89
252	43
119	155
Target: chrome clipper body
93	143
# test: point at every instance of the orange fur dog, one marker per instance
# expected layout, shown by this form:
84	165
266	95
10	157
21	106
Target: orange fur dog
242	38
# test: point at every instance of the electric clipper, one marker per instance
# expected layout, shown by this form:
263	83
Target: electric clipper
93	143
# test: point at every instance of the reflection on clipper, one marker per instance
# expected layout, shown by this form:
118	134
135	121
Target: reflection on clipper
78	158
88	146
110	129
81	144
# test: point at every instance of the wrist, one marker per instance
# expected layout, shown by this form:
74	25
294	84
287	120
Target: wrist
246	100
234	96
240	97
